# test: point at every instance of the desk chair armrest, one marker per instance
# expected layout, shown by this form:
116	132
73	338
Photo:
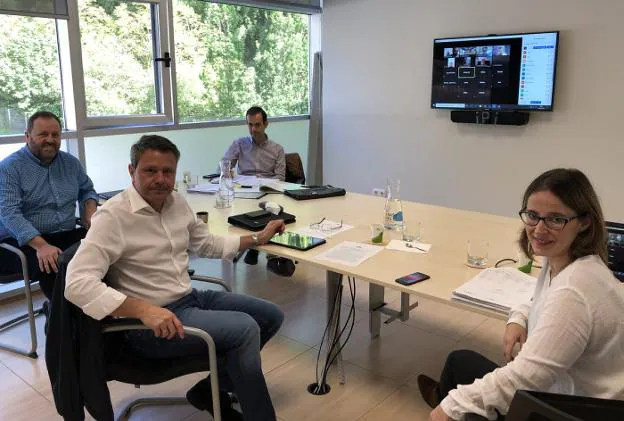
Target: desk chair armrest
121	324
212	280
21	256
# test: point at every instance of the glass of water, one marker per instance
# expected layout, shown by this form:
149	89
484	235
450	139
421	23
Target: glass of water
477	253
411	232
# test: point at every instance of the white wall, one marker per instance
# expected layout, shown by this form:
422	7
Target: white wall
378	121
200	150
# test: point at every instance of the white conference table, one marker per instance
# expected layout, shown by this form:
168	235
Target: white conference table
446	229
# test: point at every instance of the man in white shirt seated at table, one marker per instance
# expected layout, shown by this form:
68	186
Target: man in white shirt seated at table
140	239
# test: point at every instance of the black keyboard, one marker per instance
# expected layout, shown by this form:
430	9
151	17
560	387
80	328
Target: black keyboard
317	192
108	194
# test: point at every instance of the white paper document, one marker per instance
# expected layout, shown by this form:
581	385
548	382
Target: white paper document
325	229
498	289
349	253
204	188
411	246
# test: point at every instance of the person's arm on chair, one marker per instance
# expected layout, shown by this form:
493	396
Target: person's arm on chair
18	226
87	197
84	287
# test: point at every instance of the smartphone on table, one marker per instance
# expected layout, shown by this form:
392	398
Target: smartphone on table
412	279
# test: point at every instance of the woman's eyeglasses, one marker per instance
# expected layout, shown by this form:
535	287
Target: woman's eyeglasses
554	222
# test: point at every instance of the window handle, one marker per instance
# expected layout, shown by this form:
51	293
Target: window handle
166	59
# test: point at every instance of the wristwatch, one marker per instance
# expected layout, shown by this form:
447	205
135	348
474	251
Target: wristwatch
254	237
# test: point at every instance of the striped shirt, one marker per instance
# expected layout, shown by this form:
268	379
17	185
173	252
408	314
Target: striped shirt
40	199
265	160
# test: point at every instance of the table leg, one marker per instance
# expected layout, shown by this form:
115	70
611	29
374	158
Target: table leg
375	303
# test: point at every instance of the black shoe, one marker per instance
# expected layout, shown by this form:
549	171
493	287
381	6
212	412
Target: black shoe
251	258
200	396
429	390
281	266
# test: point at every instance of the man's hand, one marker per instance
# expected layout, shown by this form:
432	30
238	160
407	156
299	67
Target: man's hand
514	333
90	207
47	256
272	228
439	415
163	322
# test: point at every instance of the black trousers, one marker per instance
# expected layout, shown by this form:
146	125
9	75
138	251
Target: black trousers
10	263
464	367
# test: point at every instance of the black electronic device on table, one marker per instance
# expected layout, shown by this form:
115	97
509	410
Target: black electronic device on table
615	248
316	192
257	220
109	194
296	241
412	278
494	79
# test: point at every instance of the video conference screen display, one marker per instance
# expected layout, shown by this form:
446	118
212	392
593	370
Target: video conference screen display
615	249
501	72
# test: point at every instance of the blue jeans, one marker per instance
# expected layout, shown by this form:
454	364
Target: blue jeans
240	326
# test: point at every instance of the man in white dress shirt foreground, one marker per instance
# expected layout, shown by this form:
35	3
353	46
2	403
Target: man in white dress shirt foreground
141	239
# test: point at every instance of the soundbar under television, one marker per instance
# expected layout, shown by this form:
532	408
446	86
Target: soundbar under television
495	72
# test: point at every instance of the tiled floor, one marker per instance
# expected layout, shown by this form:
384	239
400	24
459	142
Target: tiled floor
381	374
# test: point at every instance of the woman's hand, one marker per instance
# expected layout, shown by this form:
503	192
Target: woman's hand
514	333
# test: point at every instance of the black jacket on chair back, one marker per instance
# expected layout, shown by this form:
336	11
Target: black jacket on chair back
75	355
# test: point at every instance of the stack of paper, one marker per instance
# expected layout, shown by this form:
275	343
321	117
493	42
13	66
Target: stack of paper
497	289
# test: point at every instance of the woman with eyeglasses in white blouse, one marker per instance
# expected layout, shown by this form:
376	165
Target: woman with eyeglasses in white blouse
571	334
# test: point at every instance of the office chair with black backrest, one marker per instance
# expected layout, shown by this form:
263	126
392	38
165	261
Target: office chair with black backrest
30	314
541	406
294	169
125	366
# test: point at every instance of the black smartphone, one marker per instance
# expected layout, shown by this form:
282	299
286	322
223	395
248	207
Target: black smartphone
257	214
412	279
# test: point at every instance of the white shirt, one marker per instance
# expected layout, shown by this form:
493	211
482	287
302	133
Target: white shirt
146	253
575	343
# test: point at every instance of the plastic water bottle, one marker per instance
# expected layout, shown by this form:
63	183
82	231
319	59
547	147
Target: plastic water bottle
225	194
393	213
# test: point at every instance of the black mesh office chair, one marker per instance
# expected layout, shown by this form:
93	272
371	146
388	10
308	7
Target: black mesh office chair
30	314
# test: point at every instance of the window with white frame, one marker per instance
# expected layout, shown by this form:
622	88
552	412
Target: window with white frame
124	62
119	66
230	57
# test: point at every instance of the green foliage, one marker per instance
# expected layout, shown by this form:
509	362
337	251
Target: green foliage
29	70
227	59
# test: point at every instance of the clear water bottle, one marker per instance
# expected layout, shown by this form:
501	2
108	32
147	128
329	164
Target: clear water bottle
393	214
225	194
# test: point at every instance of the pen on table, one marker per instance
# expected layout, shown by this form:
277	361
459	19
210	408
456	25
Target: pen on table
412	246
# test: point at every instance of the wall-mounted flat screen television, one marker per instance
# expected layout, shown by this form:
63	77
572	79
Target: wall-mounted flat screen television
495	72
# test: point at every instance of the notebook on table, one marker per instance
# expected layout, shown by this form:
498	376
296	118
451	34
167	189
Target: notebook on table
252	222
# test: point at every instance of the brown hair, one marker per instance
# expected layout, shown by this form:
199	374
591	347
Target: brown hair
574	189
153	142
